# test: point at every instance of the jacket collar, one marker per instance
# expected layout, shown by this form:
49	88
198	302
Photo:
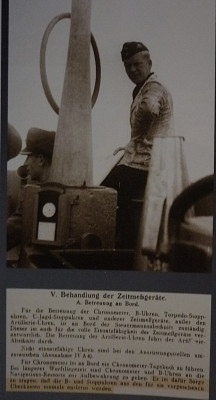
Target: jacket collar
139	86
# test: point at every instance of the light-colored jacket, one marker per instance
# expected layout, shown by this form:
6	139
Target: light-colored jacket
151	114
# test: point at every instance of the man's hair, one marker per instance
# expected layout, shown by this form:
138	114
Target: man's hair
146	55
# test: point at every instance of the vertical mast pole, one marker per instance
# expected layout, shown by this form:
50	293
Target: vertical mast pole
72	162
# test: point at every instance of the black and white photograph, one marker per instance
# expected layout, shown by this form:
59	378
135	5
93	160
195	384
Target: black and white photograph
111	135
107	200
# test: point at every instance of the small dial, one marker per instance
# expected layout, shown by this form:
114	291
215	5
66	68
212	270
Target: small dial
49	210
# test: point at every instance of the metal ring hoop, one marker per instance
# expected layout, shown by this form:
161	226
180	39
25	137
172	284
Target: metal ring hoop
43	73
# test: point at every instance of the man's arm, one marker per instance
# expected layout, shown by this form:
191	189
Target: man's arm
149	106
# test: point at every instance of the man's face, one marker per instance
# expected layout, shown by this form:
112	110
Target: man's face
137	67
33	166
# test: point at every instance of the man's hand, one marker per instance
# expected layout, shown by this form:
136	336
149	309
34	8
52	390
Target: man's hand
117	150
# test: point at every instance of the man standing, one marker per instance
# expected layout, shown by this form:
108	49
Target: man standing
39	150
151	114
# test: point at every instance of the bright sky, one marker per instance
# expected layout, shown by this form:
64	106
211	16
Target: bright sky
180	35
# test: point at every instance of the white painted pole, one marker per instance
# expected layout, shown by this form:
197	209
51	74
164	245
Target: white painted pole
72	163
